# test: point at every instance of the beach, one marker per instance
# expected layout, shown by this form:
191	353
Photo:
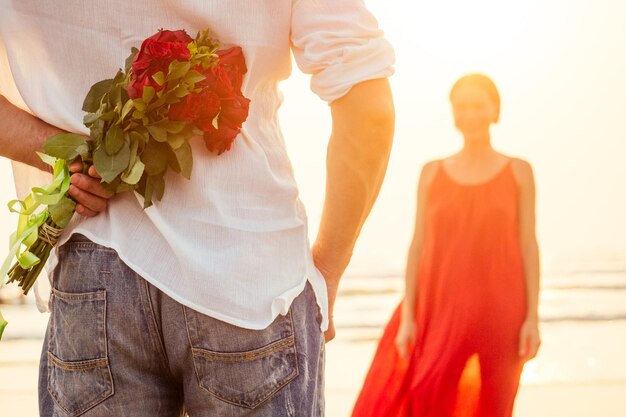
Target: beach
580	371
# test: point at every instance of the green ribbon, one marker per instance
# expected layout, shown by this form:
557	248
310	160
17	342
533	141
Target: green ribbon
3	324
29	222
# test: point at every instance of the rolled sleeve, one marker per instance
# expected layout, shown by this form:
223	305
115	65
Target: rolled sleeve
339	43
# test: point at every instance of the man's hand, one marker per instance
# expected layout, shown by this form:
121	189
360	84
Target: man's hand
332	283
87	190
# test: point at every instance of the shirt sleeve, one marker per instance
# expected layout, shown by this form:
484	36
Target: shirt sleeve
339	43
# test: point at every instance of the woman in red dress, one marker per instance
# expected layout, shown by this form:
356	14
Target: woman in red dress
457	343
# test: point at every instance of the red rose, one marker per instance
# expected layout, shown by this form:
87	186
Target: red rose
156	54
234	112
197	108
234	64
201	108
217	79
221	96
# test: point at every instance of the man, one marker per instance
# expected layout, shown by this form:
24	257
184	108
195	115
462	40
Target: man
211	302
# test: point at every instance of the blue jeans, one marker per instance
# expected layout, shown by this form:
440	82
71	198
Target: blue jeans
118	346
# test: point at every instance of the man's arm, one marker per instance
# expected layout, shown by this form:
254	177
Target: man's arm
22	135
358	153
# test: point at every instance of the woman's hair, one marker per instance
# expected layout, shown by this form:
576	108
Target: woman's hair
482	82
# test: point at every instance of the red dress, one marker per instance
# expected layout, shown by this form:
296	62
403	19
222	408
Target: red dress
471	305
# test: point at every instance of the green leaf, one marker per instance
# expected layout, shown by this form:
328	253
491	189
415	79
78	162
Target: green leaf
154	157
184	158
158	133
130	59
114	140
47	159
135	173
158	184
141	138
66	146
171	99
193	76
178	69
108	116
128	106
119	77
176	140
155	187
148	94
112	187
110	166
181	91
134	146
193	48
139	104
62	212
97	131
115	95
122	187
95	94
159	77
89	118
159	102
170	126
159	187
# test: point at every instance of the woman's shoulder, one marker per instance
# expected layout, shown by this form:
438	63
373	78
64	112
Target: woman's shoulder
427	175
522	170
429	169
431	166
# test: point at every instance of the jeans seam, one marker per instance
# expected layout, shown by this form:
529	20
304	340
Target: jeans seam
195	367
78	365
98	295
255	354
159	337
86	245
87	406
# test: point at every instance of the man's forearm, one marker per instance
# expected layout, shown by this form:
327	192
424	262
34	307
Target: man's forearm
22	134
358	153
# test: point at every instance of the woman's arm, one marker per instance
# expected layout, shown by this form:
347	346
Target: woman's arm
529	333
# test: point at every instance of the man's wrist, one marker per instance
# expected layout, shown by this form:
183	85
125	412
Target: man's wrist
330	263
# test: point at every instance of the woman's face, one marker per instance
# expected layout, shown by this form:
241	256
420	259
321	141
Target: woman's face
473	112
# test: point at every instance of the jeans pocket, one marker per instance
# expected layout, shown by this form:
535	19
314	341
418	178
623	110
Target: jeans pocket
240	366
79	376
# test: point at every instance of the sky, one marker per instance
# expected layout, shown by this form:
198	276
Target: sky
560	67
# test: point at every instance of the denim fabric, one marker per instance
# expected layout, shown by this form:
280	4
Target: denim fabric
118	346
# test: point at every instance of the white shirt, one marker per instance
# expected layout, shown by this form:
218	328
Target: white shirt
232	241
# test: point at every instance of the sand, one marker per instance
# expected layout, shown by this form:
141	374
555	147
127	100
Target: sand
581	369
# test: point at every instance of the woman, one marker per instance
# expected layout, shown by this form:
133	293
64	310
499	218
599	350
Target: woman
457	343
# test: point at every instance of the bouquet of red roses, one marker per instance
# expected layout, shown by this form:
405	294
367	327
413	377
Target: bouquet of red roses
141	121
